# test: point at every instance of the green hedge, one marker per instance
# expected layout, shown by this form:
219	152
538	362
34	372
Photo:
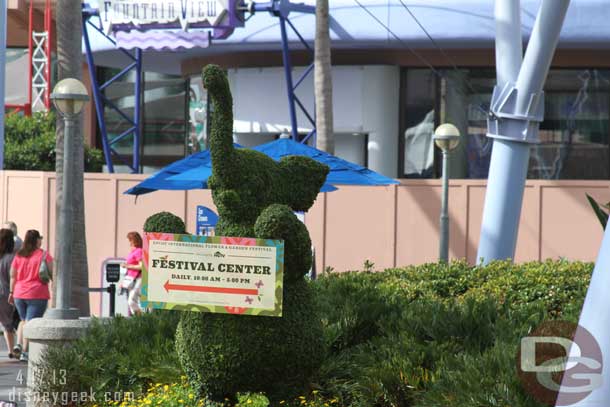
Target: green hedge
116	355
438	335
433	335
30	144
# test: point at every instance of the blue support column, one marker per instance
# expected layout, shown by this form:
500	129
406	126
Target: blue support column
281	9
101	102
137	114
97	98
517	109
288	75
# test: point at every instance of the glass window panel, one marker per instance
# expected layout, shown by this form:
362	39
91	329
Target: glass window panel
16	81
121	94
418	124
165	118
574	134
198	110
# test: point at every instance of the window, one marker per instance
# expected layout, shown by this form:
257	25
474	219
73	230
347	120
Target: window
574	134
417	123
164	117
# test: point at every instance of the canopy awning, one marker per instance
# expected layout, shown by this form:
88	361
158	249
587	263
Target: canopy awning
451	23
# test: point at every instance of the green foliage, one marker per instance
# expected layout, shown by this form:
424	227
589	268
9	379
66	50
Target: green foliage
19	128
276	356
116	355
252	400
30	144
478	379
438	334
244	182
433	335
256	197
279	222
164	222
602	215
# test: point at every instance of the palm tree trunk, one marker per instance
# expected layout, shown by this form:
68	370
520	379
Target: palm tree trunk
70	65
323	81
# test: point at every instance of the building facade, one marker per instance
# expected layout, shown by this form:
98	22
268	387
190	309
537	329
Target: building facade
398	71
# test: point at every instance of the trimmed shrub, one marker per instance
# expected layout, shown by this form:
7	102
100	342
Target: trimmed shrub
244	353
437	334
118	355
255	196
30	144
164	222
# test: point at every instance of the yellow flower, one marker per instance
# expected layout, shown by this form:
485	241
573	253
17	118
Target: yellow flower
191	396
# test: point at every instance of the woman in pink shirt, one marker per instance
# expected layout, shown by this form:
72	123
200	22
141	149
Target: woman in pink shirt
27	292
134	265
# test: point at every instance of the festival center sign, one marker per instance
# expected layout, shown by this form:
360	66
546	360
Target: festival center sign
213	274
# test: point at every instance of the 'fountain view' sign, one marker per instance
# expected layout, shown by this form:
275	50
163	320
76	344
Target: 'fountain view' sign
162	13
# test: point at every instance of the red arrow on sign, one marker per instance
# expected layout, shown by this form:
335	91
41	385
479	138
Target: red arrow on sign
203	289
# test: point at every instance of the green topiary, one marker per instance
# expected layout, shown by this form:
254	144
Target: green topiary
164	222
226	354
256	196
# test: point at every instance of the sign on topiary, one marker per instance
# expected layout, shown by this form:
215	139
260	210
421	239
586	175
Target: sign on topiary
256	197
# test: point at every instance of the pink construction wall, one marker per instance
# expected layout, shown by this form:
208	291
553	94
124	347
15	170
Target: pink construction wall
390	226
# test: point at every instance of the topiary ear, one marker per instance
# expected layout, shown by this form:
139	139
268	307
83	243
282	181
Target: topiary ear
302	178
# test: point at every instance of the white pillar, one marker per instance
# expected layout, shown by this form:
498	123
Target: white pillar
381	89
518	110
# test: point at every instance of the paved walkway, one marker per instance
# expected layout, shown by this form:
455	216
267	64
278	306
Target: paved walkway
13	379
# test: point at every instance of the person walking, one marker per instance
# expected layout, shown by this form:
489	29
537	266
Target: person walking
29	294
133	279
7	244
13	227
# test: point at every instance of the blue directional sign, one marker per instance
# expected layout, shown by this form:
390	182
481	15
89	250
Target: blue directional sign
206	220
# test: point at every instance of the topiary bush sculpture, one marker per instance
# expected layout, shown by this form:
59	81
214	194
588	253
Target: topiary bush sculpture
164	222
256	196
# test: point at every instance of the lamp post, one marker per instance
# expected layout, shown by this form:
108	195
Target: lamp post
69	97
446	137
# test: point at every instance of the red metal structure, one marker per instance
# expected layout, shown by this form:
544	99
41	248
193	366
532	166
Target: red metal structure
39	66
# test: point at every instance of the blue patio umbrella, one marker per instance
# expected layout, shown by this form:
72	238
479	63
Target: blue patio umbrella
191	176
342	172
160	179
